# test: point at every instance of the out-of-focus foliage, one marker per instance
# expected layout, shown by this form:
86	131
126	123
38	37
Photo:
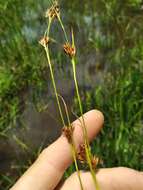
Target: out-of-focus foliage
118	38
120	99
21	60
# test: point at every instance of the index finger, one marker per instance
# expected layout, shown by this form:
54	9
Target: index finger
48	169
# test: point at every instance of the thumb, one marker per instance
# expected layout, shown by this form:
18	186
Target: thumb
108	179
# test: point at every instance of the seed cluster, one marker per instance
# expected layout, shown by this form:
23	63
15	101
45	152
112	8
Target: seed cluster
44	41
81	156
68	133
69	50
53	11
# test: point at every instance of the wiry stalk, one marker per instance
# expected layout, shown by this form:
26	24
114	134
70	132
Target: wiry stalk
73	147
52	75
86	142
63	28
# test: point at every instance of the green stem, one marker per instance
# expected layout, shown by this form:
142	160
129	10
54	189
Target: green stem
52	73
73	148
54	84
79	99
63	28
76	165
87	147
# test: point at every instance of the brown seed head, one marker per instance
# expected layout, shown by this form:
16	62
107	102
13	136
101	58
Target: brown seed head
81	156
95	161
53	11
44	41
68	133
69	50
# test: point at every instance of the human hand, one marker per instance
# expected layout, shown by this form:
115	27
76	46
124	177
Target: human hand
48	169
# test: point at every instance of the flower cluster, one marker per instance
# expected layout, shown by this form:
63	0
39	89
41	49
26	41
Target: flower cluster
81	156
53	11
69	50
68	133
44	41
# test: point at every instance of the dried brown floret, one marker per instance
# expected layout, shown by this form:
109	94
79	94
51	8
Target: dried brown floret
95	161
44	41
54	11
81	156
68	133
69	50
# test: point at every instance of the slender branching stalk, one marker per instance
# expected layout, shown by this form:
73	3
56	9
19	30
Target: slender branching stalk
52	74
46	47
73	147
52	13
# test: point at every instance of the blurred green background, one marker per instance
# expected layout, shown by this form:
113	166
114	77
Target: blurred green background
110	73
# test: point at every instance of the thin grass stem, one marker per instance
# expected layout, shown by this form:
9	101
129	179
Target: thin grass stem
73	147
63	28
52	73
87	147
54	84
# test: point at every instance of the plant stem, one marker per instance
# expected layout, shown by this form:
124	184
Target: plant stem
86	142
63	28
76	165
54	84
52	73
73	148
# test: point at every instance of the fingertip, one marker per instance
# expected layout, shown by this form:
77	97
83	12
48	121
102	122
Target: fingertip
97	115
93	120
100	114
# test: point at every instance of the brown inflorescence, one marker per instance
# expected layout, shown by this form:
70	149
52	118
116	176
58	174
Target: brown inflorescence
68	133
44	41
95	161
81	156
69	50
54	11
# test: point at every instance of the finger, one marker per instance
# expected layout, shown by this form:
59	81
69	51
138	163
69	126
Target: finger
108	179
47	171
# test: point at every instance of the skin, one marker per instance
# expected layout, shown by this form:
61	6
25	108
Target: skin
48	169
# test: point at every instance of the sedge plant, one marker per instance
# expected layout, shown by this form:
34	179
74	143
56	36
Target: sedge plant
67	131
70	49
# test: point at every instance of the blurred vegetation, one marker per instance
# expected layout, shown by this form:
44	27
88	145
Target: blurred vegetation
111	29
119	40
21	69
